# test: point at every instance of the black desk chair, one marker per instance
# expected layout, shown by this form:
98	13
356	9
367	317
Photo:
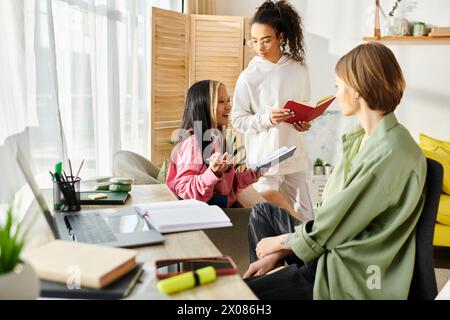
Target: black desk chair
423	284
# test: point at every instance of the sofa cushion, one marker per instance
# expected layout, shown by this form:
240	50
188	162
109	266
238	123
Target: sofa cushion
443	215
430	142
441	235
440	151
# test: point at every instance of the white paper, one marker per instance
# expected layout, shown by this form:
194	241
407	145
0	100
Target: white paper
445	292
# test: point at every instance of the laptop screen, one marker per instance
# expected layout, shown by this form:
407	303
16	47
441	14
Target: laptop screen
27	173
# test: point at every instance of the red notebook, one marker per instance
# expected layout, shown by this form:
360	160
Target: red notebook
308	113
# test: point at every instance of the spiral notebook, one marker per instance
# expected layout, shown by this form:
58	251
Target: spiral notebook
183	215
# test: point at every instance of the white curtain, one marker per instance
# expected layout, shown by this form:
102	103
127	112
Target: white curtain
101	77
200	6
90	96
176	5
17	76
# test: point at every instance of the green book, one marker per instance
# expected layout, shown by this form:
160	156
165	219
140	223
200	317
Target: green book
113	198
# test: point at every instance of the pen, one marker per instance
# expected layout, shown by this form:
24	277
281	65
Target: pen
70	186
228	161
58	168
65	176
61	185
223	161
71	172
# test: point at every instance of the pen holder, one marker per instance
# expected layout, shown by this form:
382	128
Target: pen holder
66	195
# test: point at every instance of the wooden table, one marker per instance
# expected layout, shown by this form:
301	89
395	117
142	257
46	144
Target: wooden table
177	245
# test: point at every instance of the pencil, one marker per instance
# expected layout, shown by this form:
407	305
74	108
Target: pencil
71	172
276	270
81	165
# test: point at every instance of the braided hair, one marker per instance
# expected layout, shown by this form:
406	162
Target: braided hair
283	18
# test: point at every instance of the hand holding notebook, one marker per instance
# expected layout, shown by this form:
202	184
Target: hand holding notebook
305	113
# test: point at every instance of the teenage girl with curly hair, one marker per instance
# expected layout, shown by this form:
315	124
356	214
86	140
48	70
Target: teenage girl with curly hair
276	75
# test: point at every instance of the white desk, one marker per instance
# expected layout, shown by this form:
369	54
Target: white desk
177	245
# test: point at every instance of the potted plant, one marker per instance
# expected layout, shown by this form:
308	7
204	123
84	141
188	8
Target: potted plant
327	168
318	167
400	26
17	278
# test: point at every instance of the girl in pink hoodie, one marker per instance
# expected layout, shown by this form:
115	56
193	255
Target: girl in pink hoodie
199	167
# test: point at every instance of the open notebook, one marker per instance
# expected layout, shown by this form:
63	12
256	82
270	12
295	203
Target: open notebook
183	215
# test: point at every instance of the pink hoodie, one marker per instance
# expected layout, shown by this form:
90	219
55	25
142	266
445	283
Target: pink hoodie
190	178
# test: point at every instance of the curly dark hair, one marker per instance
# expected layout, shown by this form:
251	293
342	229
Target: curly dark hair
283	18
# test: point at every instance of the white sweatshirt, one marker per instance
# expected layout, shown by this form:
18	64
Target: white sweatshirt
261	87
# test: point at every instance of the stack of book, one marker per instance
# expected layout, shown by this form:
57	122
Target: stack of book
440	32
114	184
84	271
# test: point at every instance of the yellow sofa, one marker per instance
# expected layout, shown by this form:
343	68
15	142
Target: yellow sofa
440	151
442	230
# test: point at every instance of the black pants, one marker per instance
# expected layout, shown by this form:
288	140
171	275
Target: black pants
293	282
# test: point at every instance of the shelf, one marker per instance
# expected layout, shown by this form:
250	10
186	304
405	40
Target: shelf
411	39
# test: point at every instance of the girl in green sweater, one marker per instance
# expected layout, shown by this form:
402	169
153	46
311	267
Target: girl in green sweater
361	244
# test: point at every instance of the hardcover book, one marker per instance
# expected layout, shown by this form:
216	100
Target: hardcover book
307	113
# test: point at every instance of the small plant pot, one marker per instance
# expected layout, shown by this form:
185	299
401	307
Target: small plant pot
319	170
328	170
20	284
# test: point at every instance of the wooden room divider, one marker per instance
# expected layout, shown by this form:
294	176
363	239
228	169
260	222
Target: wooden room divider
186	49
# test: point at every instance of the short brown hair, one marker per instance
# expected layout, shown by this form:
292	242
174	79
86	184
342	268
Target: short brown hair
372	70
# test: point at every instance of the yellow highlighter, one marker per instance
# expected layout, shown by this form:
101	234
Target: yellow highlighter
187	280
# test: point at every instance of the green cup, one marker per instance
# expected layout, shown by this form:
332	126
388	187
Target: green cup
419	29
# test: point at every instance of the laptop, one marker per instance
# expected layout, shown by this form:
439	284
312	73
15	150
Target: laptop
126	227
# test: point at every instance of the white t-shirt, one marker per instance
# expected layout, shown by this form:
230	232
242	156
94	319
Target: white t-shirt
264	86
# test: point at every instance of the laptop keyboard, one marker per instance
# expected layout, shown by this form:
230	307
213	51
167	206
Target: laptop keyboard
91	229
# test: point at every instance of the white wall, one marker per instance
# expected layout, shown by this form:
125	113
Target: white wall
237	7
426	104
